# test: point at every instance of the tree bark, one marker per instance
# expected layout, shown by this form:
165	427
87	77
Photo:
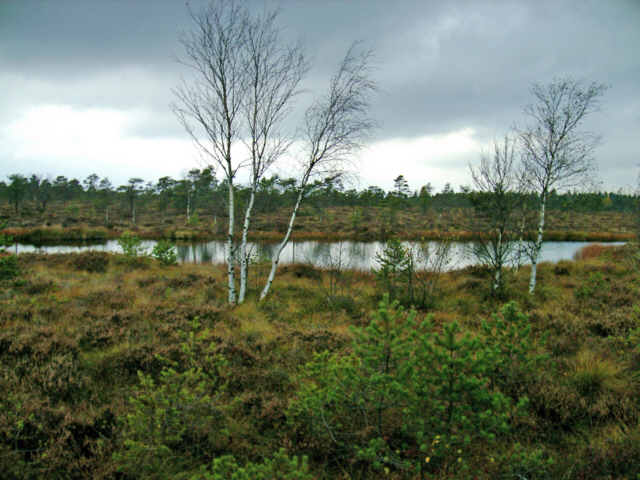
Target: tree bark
498	265
285	240
537	246
244	261
230	259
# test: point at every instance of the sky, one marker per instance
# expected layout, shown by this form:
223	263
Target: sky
87	84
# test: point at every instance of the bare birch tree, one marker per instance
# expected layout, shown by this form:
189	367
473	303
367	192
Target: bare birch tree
209	105
274	71
335	126
556	153
496	202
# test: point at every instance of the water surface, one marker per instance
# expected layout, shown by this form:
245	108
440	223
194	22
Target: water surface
347	254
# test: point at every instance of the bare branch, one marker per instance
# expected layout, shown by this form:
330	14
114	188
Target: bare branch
337	124
208	106
556	153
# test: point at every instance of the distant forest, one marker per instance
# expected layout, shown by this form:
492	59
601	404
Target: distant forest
201	190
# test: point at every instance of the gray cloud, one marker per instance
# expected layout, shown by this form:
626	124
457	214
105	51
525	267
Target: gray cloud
441	66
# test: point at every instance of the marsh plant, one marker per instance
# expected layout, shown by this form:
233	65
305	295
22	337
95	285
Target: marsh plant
8	263
131	245
165	252
410	275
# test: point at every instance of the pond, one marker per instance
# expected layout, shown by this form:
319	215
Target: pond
348	254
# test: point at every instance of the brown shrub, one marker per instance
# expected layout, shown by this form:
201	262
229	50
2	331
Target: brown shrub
37	286
90	261
594	250
111	298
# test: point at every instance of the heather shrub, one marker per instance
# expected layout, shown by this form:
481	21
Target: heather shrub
9	267
94	262
176	421
8	263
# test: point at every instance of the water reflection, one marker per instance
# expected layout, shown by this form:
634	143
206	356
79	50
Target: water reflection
346	254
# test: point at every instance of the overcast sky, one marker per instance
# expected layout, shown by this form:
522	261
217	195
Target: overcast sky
86	84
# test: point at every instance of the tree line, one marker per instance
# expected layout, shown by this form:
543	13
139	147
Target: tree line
201	191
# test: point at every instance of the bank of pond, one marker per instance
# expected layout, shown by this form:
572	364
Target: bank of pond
348	255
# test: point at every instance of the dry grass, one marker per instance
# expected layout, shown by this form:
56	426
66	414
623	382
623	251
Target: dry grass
333	223
72	341
594	250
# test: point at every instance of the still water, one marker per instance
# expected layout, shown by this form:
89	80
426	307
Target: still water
350	255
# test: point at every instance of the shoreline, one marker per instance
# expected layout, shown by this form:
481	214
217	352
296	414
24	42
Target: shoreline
84	234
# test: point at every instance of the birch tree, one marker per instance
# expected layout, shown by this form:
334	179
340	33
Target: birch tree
556	152
209	105
274	71
496	201
335	126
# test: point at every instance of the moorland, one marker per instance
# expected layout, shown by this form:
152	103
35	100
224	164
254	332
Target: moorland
121	367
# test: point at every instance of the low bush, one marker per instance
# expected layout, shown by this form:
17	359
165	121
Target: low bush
527	463
165	252
91	261
407	399
131	245
175	424
279	467
9	267
594	250
8	263
511	350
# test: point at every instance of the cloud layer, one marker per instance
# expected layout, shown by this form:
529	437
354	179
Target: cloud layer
89	82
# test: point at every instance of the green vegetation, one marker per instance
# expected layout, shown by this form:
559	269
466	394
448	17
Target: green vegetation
94	210
131	245
165	252
120	369
8	263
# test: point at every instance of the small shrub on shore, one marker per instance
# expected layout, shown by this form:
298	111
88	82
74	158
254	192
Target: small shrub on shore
91	261
594	250
165	252
8	263
131	245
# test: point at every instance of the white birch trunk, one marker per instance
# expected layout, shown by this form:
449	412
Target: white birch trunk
244	261
188	207
285	240
498	263
520	250
537	246
230	260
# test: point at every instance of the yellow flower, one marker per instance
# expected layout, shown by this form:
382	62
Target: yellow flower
427	459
